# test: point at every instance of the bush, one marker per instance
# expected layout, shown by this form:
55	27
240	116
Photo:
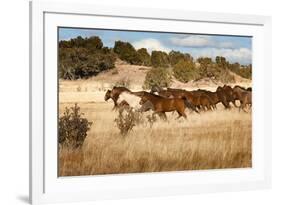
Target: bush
205	68
144	57
176	56
244	71
157	76
83	58
73	128
127	119
159	59
185	71
126	52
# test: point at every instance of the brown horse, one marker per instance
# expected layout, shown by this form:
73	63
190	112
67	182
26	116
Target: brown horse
177	93
213	98
203	100
114	94
223	97
243	95
197	98
161	105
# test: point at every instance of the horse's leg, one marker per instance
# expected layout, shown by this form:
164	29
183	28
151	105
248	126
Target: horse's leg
162	115
244	107
234	103
241	105
181	113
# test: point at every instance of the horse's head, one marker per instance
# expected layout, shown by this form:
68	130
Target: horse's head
107	95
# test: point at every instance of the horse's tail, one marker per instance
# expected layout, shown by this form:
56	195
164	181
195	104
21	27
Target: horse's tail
188	104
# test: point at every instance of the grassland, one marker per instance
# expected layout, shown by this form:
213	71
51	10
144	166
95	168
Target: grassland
210	140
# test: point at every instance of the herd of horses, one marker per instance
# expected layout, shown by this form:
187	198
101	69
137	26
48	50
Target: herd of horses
161	100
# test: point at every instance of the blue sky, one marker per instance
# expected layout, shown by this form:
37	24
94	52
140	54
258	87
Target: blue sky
234	48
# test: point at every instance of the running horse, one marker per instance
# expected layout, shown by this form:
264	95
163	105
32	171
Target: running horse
114	95
161	104
244	96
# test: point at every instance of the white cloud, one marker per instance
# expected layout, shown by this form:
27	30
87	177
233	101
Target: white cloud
192	41
151	44
241	55
200	41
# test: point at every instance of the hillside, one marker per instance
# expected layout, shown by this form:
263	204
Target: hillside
134	75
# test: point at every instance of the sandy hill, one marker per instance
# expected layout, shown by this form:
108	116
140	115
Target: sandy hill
134	75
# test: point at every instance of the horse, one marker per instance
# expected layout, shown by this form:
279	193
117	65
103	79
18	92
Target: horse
213	96
203	100
114	94
223	97
197	98
161	104
243	95
229	94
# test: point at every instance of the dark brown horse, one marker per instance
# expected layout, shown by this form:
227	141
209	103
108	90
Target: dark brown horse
213	98
161	105
229	94
244	96
225	95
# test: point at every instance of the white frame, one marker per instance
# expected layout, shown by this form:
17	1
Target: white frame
41	24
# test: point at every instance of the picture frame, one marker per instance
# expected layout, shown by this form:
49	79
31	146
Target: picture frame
46	186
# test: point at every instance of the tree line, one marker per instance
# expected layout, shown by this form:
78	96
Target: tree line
85	57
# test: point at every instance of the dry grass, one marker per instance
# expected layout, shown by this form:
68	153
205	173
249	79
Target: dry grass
211	140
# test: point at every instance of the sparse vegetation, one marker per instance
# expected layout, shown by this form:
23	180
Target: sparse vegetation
212	140
73	127
86	57
127	119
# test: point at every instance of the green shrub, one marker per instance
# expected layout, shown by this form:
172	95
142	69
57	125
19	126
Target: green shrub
159	59
126	52
244	71
176	56
127	119
73	128
83	58
157	76
144	57
205	68
185	71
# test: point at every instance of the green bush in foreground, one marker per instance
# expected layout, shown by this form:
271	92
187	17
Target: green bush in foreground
73	127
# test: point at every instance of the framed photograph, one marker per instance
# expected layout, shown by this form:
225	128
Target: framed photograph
129	102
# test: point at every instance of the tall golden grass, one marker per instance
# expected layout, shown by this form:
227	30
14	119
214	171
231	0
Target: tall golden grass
210	140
